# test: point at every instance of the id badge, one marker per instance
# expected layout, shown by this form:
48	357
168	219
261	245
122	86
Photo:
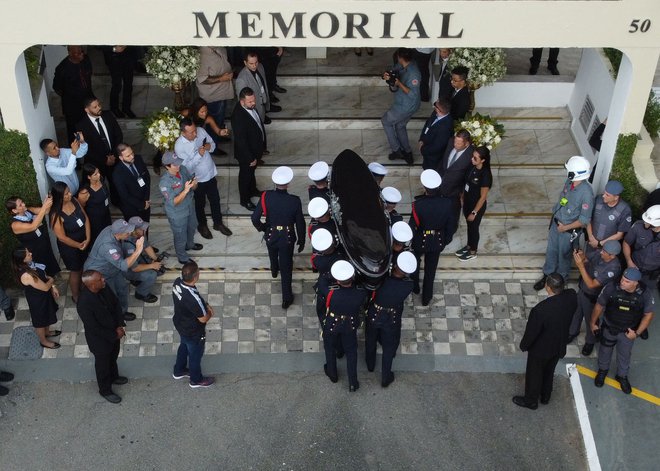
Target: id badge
79	222
467	187
38	232
426	130
263	90
106	201
141	182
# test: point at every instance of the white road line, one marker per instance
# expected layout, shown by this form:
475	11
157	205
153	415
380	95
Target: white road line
583	417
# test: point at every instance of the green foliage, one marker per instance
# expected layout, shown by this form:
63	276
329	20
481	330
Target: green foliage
652	115
18	179
614	55
622	170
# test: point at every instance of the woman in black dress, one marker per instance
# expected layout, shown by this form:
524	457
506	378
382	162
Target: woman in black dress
95	200
40	293
27	225
478	181
71	227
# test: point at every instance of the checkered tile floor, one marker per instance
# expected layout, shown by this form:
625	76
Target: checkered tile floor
465	318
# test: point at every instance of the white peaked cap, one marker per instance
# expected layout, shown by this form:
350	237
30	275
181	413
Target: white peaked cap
282	175
342	270
318	171
321	239
378	169
430	179
406	262
402	232
391	194
317	207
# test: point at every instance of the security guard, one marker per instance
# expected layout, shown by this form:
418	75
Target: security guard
610	220
319	211
641	247
326	253
391	197
401	236
318	173
432	221
596	271
378	171
571	213
177	186
627	309
383	319
344	302
282	211
146	268
106	257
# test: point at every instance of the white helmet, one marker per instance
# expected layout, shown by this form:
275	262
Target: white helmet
578	168
652	216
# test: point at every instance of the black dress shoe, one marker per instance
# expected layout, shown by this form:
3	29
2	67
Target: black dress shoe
553	70
587	349
334	379
267	120
3	391
388	381
408	157
397	155
286	304
545	400
129	113
118	113
196	246
150	298
625	385
599	380
249	206
112	397
204	232
539	285
273	99
129	316
224	230
416	290
10	313
354	387
120	380
533	69
279	89
425	302
274	273
275	109
520	401
6	376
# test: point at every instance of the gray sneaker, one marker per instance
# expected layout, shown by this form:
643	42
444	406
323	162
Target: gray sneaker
204	383
462	251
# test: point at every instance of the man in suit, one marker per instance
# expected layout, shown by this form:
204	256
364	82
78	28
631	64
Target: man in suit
102	133
436	133
442	74
102	317
460	95
453	167
249	144
73	83
253	76
132	180
545	340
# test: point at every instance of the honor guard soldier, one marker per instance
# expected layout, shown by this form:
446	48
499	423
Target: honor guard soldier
146	269
107	258
383	319
391	196
641	247
610	220
627	309
571	213
401	236
344	302
326	253
177	186
318	173
319	211
432	221
596	271
282	212
378	171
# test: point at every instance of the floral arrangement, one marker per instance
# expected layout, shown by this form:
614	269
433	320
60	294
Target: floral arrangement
485	131
173	65
486	64
161	129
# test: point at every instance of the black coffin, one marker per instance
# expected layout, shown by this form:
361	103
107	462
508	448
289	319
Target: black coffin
357	209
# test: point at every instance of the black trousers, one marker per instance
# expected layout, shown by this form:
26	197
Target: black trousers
121	67
204	190
388	337
430	265
552	57
473	226
423	64
270	63
106	369
247	183
430	162
344	338
539	375
281	258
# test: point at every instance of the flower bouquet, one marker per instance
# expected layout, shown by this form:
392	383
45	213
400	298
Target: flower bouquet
485	131
161	130
172	65
486	64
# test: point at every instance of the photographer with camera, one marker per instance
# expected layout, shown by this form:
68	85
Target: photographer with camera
403	80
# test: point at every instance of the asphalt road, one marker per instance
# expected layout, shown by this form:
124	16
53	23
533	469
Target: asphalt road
295	421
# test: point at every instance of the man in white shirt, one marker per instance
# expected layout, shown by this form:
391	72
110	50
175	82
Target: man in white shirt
61	162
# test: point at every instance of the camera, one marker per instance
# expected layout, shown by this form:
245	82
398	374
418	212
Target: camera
394	75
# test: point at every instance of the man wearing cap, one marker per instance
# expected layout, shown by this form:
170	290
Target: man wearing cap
176	186
436	134
146	268
194	147
133	183
611	218
107	257
282	212
401	236
391	197
383	319
570	214
378	171
318	173
596	271
432	223
544	340
326	252
641	246
344	302
627	310
319	211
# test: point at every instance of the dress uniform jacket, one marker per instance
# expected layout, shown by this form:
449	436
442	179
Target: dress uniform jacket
314	192
432	223
285	223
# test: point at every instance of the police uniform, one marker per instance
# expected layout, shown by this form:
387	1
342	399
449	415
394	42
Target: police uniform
146	278
383	322
575	202
607	220
322	264
282	212
645	245
181	217
314	192
622	311
432	222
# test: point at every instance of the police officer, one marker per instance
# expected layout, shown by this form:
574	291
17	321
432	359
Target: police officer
641	247
319	211
432	221
611	218
571	213
344	302
401	236
282	212
146	268
627	309
176	186
318	173
596	271
383	319
391	196
326	253
378	171
107	258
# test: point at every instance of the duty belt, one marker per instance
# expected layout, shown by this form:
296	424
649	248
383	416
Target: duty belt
429	232
378	307
341	317
281	228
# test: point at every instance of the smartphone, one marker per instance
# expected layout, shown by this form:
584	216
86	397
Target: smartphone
204	142
192	177
77	136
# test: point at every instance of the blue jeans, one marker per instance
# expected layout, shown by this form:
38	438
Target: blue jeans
394	124
190	352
